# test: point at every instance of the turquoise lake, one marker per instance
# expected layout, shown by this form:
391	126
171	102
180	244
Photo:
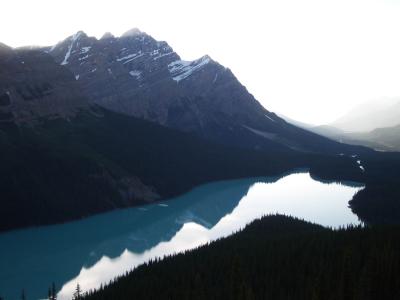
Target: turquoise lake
94	250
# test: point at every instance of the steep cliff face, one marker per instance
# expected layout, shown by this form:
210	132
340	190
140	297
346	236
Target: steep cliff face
33	85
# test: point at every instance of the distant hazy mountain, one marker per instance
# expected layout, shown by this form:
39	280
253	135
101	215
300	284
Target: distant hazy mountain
324	130
383	112
369	125
389	137
386	139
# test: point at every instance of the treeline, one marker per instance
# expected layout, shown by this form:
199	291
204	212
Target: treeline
276	257
379	202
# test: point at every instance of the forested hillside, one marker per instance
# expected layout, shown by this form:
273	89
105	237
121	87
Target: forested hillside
63	169
276	257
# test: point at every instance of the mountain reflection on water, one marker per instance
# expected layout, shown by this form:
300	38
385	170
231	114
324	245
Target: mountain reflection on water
94	250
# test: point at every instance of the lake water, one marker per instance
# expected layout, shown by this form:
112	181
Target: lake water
94	250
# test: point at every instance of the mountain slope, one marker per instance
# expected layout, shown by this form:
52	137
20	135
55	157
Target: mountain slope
32	85
63	169
366	117
136	75
386	139
382	139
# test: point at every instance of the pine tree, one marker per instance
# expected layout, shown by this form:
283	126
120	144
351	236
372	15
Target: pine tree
23	296
78	293
53	291
52	294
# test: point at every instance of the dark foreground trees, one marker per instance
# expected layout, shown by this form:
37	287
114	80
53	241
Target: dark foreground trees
274	258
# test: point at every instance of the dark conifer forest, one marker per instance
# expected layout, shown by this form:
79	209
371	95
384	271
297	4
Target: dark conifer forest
87	166
277	257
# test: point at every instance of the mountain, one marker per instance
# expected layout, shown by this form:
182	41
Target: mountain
79	134
388	137
384	139
380	113
295	122
32	85
381	139
136	75
64	157
324	130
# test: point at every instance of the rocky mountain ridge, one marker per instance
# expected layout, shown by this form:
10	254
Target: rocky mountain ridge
135	74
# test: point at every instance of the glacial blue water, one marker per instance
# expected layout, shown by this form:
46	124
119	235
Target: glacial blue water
94	250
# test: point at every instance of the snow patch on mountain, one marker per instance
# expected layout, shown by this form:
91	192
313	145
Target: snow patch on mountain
265	134
73	39
215	78
85	50
52	48
270	118
128	58
162	55
133	58
83	58
136	73
181	69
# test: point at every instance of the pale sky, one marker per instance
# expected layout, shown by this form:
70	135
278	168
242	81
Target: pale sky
311	60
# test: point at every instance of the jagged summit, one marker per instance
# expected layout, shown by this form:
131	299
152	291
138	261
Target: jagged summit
132	32
107	35
72	38
78	35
